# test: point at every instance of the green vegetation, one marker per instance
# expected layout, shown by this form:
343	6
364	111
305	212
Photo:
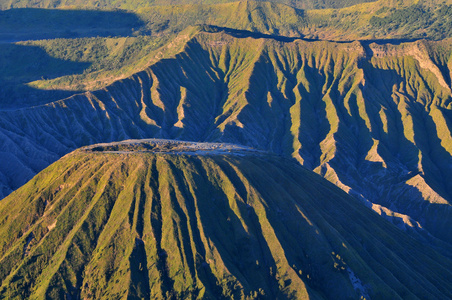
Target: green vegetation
28	23
136	4
373	118
113	225
50	69
345	110
407	16
136	35
380	20
263	17
109	59
415	21
113	58
20	64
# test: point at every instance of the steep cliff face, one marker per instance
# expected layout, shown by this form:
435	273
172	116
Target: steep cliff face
160	219
373	119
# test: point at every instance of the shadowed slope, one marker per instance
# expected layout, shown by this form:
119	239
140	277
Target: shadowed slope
135	4
31	23
373	119
159	219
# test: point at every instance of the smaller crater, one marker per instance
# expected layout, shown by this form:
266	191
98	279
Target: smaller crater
170	147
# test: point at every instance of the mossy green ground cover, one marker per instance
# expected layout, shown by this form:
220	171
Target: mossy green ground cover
345	110
136	4
149	28
366	116
116	225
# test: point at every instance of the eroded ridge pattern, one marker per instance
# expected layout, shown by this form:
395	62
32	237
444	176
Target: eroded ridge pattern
372	118
120	220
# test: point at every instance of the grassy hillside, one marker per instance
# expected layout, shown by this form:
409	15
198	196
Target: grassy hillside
28	23
373	119
95	40
136	4
91	51
176	221
108	59
37	72
376	20
264	17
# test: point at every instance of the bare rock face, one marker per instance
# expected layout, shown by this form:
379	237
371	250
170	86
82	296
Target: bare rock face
372	119
161	219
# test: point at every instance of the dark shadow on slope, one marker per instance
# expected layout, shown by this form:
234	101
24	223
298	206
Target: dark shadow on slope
189	91
446	72
156	220
389	41
437	162
139	288
272	118
295	228
258	268
440	219
424	131
402	154
399	154
336	214
20	64
203	269
33	24
238	33
313	117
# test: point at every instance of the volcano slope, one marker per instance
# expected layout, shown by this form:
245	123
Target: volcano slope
373	119
160	219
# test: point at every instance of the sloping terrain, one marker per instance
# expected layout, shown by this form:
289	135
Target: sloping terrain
34	24
376	20
373	119
90	49
39	72
136	4
161	219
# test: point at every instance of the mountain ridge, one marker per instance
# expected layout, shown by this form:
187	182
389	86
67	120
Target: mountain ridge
374	20
326	104
109	223
133	4
93	61
127	197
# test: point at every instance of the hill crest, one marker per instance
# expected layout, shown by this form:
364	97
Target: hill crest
111	225
348	111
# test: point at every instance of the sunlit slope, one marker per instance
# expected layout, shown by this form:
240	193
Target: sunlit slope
382	19
78	56
170	220
266	17
373	119
136	4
